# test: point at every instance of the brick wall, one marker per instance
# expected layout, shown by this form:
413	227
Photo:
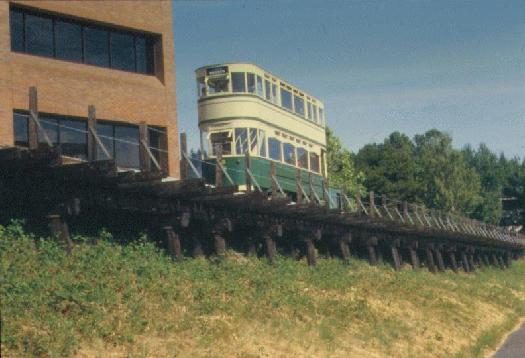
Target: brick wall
68	88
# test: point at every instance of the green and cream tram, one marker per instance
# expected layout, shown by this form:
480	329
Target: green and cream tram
244	108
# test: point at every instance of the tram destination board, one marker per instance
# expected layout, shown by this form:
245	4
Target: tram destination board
215	71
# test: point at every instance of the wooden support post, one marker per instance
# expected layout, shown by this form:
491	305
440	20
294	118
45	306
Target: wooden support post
405	211
470	257
173	241
371	200
508	258
220	243
92	128
344	246
430	260
272	176
252	246
464	261
247	163
270	246
184	165
501	262
218	171
439	259
414	258
358	200
495	260
486	259
311	188
298	190
371	248
32	129
453	262
396	257
197	250
145	160
60	230
310	252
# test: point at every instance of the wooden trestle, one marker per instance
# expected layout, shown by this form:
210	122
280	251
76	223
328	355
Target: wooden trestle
194	217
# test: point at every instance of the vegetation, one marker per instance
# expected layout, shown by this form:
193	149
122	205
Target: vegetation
429	171
133	300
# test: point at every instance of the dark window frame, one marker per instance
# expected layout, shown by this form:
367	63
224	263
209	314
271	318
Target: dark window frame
151	40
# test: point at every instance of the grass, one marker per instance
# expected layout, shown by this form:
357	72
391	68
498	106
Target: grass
132	300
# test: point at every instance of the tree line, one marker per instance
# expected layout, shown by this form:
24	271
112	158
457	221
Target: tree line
428	170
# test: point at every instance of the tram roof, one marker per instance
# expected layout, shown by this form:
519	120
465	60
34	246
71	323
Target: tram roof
265	71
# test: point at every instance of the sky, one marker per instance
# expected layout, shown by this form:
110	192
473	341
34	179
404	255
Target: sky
379	66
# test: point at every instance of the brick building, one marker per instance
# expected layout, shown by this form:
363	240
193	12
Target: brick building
115	55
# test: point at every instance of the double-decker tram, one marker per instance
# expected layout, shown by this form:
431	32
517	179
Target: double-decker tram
246	111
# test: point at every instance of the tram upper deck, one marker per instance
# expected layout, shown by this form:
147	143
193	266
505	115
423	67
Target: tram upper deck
245	92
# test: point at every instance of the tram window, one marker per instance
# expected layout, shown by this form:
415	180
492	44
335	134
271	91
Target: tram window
204	143
241	140
268	89
274	146
286	99
315	114
222	138
321	117
238	82
289	153
201	88
310	110
20	122
314	162
274	93
262	143
302	158
217	85
299	105
253	140
251	83
260	90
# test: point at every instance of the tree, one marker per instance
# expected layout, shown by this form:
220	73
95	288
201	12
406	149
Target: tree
447	181
341	169
390	167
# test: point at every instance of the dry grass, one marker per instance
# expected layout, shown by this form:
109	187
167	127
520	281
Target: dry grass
112	301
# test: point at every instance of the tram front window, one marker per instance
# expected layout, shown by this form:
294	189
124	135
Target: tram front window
251	82
286	99
238	82
223	139
274	146
217	85
241	140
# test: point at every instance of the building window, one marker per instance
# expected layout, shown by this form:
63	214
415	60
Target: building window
251	82
20	126
73	138
79	41
39	35
127	146
289	153
16	22
96	47
105	132
241	140
122	51
299	105
286	99
302	158
314	162
68	41
274	149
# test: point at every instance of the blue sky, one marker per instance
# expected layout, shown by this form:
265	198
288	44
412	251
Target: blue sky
379	66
